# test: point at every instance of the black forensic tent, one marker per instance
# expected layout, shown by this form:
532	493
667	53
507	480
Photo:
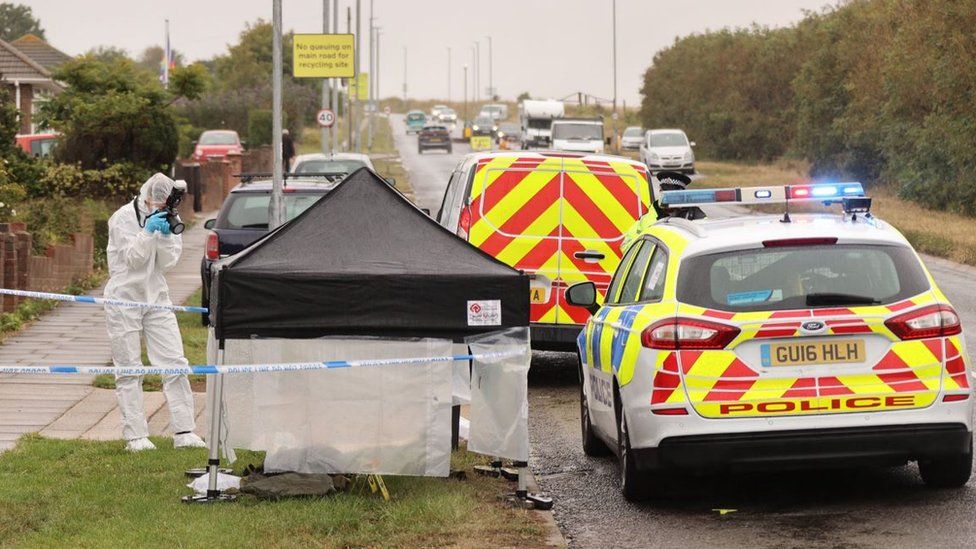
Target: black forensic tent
363	260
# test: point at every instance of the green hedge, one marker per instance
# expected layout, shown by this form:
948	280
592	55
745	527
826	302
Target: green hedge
872	89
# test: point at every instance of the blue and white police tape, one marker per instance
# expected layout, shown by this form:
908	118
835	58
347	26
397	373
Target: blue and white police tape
252	368
101	301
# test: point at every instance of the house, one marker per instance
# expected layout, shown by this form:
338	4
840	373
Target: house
25	70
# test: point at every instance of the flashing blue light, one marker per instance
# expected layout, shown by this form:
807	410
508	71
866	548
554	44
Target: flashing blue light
687	197
824	190
763	194
854	190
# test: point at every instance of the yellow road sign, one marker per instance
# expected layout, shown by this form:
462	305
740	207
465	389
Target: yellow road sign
323	56
359	87
480	142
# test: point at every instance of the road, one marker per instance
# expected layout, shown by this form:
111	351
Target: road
849	508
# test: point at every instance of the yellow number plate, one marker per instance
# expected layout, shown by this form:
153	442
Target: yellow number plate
538	294
817	352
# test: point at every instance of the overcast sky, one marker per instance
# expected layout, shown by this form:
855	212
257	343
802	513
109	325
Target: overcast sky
550	48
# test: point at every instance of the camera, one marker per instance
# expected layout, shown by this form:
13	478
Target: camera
172	203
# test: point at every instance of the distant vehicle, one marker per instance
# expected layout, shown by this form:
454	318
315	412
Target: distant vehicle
416	121
578	135
243	219
495	111
515	206
216	145
509	134
436	110
333	163
434	136
446	115
483	126
535	118
632	138
37	144
668	150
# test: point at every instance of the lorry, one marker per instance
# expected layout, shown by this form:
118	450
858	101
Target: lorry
578	135
535	117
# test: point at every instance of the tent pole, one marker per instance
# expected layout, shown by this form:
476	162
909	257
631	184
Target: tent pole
213	438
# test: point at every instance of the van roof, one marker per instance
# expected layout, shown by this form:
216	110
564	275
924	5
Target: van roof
478	156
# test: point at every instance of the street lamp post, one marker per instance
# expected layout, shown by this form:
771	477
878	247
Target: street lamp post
614	55
276	206
477	71
491	84
448	75
465	93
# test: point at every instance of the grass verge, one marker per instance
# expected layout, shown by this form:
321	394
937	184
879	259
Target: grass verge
194	348
933	232
94	494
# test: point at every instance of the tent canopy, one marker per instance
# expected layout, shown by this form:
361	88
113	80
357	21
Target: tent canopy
363	260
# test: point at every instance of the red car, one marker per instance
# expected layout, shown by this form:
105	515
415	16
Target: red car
216	144
37	144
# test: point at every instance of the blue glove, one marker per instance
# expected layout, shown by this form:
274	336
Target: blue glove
157	223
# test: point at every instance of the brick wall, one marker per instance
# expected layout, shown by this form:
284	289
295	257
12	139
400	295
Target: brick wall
52	272
216	178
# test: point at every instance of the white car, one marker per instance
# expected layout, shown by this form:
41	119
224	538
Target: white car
632	138
769	342
668	150
333	163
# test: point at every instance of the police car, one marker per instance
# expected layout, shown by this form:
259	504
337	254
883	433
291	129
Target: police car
773	341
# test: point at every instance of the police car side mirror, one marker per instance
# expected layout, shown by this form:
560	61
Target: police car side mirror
583	295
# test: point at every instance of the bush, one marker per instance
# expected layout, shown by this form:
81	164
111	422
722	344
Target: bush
52	220
260	126
119	181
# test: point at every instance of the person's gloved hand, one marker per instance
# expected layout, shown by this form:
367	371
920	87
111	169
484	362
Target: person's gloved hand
157	223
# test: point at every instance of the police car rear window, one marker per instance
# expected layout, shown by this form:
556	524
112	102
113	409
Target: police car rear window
800	277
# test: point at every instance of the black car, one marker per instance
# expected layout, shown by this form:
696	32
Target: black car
484	126
434	136
243	218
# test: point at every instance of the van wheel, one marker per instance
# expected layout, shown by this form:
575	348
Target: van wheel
947	472
592	445
634	484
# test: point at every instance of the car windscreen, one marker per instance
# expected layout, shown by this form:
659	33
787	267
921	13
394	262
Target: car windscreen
328	166
670	139
633	132
801	277
218	138
577	131
249	210
540	123
414	116
435	129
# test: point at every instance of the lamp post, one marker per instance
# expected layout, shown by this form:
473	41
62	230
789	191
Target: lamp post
491	84
448	75
465	93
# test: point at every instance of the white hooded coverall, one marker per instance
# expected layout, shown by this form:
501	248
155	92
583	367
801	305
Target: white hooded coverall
137	261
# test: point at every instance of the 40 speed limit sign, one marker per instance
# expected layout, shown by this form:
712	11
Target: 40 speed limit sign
326	118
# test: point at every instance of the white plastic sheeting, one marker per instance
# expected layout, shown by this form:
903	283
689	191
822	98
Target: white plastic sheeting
392	420
500	395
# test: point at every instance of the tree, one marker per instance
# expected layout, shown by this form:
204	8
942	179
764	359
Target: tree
523	96
17	20
189	82
108	54
151	58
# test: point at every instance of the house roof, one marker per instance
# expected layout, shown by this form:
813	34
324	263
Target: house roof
16	66
40	52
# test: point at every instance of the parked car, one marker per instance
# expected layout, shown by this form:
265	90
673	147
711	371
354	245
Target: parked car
333	163
243	219
37	144
416	121
632	138
483	126
434	136
509	135
216	145
668	150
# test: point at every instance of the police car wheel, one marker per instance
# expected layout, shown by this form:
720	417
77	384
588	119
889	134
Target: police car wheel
634	484
592	445
947	472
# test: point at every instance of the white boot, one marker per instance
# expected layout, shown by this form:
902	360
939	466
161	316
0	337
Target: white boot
139	444
188	440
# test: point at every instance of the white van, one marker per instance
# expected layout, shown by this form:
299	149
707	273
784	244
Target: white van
578	135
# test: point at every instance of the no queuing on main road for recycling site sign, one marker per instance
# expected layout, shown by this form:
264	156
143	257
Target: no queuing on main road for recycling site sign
326	118
323	56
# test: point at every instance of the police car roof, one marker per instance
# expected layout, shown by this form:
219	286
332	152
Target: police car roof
750	231
474	157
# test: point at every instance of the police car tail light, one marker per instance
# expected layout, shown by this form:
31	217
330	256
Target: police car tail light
932	321
688	333
213	246
464	223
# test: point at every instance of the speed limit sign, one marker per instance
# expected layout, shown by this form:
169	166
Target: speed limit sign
326	118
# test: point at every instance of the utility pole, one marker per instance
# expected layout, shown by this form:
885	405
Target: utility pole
350	121
335	82
377	90
477	71
326	82
614	55
448	75
465	93
404	78
372	78
276	207
355	131
491	84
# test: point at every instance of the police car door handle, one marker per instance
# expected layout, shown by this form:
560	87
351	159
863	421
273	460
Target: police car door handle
589	256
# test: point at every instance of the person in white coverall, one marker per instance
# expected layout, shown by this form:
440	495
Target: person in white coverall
141	249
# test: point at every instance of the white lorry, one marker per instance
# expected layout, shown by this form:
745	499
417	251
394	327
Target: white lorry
536	117
578	135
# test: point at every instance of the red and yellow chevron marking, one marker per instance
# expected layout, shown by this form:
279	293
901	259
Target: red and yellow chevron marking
536	212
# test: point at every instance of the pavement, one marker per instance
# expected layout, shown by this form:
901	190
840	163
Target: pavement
67	406
879	507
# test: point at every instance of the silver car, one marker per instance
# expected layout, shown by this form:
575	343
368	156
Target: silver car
668	150
632	138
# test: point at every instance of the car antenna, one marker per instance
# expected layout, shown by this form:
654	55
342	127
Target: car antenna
786	215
